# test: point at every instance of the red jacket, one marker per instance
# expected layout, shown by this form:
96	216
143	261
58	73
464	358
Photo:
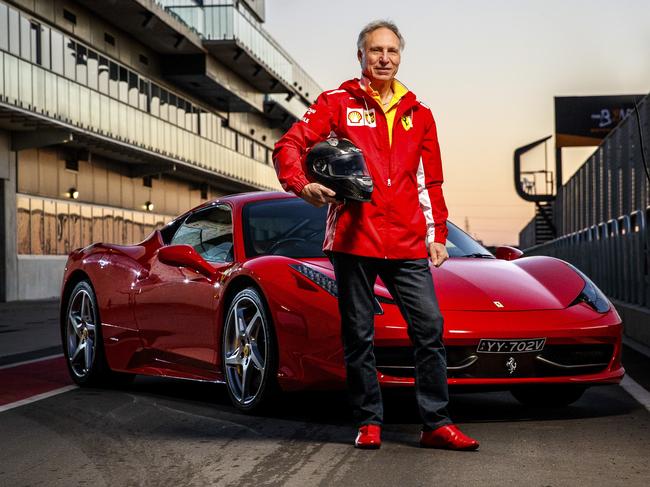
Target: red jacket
407	202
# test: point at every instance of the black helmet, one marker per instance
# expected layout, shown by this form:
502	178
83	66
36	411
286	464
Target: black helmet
339	165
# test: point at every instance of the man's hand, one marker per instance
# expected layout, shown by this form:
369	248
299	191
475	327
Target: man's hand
438	253
317	194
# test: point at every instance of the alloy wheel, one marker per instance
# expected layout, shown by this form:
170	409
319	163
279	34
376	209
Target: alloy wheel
246	348
81	333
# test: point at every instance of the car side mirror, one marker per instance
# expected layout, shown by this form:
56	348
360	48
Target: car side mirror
185	256
507	253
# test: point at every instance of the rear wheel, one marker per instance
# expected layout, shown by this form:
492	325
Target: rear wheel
83	345
249	352
548	395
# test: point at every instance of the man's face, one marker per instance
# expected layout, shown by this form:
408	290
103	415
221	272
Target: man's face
380	57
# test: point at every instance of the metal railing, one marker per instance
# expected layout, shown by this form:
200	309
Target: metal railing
604	210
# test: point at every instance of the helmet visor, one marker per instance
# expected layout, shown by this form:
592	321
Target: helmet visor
351	164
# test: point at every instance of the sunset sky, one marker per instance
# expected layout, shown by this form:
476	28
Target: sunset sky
489	70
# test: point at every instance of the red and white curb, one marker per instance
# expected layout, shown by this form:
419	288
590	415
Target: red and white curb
33	380
33	361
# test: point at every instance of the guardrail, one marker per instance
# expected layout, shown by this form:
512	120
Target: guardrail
603	213
615	254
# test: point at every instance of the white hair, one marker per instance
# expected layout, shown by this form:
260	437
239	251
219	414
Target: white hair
378	24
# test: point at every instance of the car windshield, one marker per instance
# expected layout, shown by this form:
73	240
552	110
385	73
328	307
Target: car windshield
294	228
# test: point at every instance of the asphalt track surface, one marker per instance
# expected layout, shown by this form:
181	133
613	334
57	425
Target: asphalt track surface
161	432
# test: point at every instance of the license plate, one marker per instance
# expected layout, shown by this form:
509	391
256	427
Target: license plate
511	346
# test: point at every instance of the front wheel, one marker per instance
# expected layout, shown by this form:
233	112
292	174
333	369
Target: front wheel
249	352
548	395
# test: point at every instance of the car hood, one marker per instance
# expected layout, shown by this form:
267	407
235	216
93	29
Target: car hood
530	283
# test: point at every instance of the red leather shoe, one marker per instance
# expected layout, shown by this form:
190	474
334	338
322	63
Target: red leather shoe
369	437
448	437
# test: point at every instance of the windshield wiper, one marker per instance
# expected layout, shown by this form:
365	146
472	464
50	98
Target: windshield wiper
478	255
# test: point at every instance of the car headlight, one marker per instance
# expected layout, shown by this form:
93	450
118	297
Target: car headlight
591	295
329	284
319	278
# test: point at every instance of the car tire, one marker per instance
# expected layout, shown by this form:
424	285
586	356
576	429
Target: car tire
83	345
545	396
249	352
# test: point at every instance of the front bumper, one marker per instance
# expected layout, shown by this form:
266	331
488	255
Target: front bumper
582	347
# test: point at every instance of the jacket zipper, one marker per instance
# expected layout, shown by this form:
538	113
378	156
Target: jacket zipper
390	146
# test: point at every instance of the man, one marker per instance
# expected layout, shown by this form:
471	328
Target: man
386	236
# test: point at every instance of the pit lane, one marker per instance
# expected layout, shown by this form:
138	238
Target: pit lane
162	432
167	432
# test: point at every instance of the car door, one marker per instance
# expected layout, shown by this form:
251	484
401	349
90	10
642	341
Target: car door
175	307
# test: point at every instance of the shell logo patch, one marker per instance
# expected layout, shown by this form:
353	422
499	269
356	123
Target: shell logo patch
358	117
354	117
407	122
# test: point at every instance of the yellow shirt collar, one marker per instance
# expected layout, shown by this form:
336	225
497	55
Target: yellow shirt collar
399	90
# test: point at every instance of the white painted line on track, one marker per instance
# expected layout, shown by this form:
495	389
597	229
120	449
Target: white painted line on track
16	364
636	391
37	397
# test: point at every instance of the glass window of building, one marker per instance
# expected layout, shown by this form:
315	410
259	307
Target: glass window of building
203	130
70	57
45	47
133	89
4	28
14	32
155	100
82	63
143	102
25	38
93	67
113	80
35	43
180	113
192	118
123	85
171	107
163	104
102	74
57	52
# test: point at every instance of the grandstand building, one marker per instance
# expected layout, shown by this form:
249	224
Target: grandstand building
117	115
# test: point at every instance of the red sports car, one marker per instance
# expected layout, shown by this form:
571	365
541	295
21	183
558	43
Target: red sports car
238	290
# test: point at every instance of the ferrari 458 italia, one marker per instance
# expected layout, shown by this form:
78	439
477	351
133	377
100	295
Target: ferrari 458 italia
238	290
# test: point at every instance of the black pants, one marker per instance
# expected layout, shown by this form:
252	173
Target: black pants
411	285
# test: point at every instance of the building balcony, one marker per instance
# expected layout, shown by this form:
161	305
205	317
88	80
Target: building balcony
305	86
34	98
150	24
234	37
283	110
185	60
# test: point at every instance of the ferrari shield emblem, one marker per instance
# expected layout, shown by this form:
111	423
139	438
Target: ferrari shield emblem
407	122
371	121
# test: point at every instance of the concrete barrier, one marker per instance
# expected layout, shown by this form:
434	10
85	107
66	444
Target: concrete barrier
636	321
40	276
